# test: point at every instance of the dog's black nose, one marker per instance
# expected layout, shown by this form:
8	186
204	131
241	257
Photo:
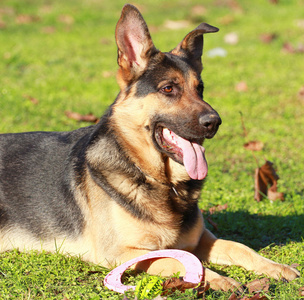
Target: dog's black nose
210	123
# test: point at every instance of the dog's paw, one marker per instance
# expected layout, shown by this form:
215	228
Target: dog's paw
282	272
226	284
218	282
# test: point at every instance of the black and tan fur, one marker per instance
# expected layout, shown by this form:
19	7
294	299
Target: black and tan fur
112	192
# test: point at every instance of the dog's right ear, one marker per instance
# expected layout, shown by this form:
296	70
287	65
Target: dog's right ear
135	46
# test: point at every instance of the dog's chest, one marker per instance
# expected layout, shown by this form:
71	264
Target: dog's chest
150	236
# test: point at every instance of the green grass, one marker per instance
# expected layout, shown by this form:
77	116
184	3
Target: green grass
64	56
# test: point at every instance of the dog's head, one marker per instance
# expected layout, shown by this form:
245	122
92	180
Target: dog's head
162	93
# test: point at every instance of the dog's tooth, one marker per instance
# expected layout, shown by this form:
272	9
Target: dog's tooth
166	134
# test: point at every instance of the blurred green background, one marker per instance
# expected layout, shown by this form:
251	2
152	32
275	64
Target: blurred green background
58	56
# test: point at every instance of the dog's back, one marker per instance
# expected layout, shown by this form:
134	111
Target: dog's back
37	171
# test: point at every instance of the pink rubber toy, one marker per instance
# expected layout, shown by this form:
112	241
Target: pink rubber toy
194	268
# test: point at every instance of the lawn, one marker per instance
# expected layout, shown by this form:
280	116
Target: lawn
58	56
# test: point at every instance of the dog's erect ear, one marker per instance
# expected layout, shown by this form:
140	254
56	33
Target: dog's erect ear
134	43
191	46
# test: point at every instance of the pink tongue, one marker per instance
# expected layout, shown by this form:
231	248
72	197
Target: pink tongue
193	158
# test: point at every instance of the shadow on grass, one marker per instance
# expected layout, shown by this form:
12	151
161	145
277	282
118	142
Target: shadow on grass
258	231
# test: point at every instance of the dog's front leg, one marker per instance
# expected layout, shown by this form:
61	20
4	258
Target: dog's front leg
157	266
211	249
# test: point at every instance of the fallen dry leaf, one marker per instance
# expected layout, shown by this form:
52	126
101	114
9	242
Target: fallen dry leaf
32	99
289	48
301	291
26	19
301	94
233	296
84	118
264	177
241	86
218	207
255	297
268	37
273	194
254	146
258	285
173	284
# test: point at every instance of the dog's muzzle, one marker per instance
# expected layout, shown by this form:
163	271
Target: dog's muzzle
210	123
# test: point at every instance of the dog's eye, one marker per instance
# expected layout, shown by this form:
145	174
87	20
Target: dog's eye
167	89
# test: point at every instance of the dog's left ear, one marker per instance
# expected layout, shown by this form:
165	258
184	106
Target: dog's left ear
134	43
191	46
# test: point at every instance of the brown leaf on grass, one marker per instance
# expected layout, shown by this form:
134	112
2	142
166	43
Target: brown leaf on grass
255	297
254	145
258	285
241	86
301	291
218	207
173	284
233	296
32	99
301	94
264	177
289	48
27	19
273	194
83	118
268	37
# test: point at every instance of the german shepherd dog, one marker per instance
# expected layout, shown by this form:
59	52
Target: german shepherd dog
131	183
